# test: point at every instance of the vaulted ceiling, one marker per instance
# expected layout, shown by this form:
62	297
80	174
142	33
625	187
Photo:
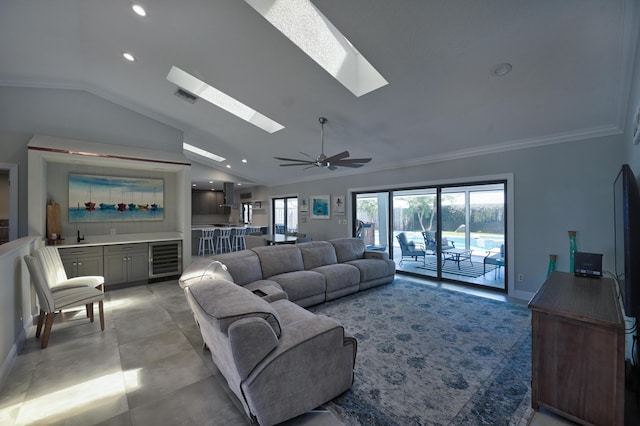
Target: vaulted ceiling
571	68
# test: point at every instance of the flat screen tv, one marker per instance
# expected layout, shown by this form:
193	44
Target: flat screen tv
627	239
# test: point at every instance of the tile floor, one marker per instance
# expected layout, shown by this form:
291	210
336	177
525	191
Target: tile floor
146	368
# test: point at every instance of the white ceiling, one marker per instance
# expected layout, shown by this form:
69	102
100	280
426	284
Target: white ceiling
572	63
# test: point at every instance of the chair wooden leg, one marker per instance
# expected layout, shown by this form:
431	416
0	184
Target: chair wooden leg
51	316
101	311
40	321
87	309
90	310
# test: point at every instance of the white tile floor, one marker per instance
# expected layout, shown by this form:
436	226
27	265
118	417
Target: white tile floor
146	368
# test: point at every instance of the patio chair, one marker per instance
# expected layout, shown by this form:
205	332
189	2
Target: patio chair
409	249
431	245
493	258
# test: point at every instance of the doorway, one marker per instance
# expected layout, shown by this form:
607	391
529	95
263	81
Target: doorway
8	202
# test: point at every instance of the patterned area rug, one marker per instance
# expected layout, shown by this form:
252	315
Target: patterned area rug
476	270
429	356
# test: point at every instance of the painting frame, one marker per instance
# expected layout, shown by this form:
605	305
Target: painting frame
303	206
98	198
338	203
320	207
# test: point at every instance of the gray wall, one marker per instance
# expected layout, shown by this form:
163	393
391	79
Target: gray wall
73	114
557	188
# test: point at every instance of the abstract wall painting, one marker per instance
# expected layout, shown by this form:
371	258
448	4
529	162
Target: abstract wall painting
320	207
110	198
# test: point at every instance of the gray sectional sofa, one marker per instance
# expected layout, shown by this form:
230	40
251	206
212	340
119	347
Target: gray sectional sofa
309	273
279	359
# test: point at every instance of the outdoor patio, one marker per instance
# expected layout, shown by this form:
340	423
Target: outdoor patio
468	270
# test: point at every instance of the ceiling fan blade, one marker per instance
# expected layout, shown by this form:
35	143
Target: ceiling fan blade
307	155
306	163
352	160
291	159
343	154
339	164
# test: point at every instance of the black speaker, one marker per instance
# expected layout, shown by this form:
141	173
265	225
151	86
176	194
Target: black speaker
587	264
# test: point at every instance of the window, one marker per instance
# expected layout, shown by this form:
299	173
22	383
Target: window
285	215
247	213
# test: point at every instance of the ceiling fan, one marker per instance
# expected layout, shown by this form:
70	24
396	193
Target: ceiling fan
322	160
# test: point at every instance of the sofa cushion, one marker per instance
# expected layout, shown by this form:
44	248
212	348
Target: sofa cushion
348	249
302	284
280	259
244	266
372	269
227	302
317	253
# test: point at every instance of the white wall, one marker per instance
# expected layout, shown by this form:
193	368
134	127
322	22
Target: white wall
17	301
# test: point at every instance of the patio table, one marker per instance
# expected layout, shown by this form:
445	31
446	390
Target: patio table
457	255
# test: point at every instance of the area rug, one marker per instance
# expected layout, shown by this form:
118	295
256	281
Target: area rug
429	356
476	270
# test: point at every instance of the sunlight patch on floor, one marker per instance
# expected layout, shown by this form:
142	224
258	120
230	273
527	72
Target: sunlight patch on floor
56	406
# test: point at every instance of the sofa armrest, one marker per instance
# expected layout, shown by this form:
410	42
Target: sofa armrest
372	254
311	337
251	339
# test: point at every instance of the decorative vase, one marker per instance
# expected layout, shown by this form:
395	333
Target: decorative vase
572	249
552	264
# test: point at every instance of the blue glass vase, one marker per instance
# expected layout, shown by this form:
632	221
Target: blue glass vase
552	264
573	247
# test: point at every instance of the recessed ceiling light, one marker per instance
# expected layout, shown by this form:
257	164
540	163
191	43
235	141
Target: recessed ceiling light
228	166
138	9
303	24
202	152
501	69
193	184
209	93
128	56
239	184
244	160
210	181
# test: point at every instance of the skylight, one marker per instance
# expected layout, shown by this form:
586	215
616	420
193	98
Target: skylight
202	152
311	31
210	94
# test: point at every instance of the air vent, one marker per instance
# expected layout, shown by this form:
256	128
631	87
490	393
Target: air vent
245	196
184	95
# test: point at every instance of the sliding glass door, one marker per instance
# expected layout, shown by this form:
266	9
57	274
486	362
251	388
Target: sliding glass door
450	232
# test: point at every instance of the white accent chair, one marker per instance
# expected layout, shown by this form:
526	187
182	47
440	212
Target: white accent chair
56	276
63	298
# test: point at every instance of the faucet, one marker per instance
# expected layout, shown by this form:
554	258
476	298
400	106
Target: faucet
80	239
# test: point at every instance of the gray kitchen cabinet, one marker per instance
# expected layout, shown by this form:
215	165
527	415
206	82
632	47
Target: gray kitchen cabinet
82	261
125	263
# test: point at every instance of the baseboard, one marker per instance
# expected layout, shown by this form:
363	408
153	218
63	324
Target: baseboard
525	296
10	360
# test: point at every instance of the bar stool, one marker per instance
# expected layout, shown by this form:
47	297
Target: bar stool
206	242
238	239
223	240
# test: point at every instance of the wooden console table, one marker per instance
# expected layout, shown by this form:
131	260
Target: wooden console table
578	349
